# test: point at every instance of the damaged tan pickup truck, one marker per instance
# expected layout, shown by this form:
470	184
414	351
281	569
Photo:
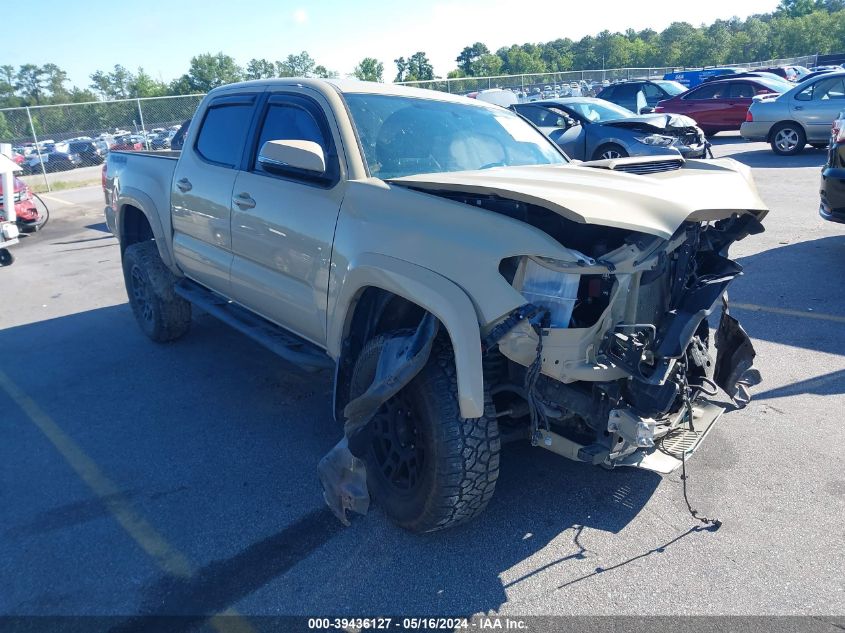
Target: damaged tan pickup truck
466	283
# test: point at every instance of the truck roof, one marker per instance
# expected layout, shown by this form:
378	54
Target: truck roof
352	86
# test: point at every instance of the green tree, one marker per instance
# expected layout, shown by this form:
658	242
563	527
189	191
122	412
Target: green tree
369	69
31	83
324	73
469	56
487	65
401	69
419	67
143	85
797	8
114	84
260	69
301	65
208	71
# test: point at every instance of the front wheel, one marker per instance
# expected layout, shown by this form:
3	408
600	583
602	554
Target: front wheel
610	151
428	467
788	139
162	314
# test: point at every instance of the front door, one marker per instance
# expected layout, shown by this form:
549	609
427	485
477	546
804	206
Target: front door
283	224
201	194
817	106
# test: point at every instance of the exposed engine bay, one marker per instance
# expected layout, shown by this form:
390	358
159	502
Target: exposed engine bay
677	125
612	352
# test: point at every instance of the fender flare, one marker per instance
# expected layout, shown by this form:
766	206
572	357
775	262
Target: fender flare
141	201
432	292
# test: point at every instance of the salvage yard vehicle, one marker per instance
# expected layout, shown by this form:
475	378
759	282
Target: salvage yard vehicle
463	280
721	105
641	95
797	117
832	204
588	128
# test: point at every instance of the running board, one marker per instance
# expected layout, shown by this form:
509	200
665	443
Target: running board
289	346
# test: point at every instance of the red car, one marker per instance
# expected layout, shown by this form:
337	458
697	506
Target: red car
28	218
720	106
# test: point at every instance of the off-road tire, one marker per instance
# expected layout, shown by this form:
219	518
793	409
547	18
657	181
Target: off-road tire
790	131
460	462
610	147
162	314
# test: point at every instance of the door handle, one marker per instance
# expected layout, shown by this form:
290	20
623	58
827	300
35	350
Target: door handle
244	201
799	107
183	185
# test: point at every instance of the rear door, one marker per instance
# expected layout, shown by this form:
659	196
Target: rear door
201	195
283	224
817	106
740	94
707	104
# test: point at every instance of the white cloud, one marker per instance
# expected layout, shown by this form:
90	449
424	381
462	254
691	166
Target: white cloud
300	16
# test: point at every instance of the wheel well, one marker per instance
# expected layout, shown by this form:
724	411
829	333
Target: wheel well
374	312
134	227
779	123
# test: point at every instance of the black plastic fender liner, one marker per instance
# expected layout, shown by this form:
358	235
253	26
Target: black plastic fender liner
342	471
735	357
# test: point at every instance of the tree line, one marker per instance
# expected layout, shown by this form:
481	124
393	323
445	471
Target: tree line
796	27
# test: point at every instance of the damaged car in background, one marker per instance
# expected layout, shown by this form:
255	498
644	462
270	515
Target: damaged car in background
595	129
464	281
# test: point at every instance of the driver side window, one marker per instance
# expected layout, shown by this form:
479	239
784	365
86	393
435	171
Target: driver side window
827	89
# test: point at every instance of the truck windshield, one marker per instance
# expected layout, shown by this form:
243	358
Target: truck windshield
404	136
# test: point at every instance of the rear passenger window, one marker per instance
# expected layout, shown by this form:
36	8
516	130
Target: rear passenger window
741	91
221	137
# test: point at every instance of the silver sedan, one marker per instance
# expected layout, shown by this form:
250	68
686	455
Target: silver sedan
802	115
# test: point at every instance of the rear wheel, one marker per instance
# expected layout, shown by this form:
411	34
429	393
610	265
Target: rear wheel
609	151
428	467
788	139
162	314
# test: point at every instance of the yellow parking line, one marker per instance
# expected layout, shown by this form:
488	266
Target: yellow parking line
819	316
142	532
59	200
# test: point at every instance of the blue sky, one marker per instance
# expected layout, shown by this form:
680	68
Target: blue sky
163	36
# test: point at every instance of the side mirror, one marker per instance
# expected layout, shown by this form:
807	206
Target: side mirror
284	155
647	110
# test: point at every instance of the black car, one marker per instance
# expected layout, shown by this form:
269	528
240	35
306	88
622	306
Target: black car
832	206
52	161
89	152
637	95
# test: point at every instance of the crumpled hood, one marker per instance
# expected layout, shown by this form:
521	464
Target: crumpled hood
656	121
656	204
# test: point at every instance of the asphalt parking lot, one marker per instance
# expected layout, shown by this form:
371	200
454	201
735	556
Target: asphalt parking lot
180	479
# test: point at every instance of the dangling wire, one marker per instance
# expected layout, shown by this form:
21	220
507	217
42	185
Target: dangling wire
535	406
714	524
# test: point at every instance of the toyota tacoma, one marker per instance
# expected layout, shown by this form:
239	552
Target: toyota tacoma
463	280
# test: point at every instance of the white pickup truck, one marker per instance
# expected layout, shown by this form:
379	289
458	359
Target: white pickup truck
465	281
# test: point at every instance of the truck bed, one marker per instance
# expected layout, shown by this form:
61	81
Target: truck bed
148	173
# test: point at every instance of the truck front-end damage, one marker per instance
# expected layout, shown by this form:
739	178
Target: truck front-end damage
615	364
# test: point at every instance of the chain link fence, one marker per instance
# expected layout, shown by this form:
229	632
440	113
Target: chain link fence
62	144
536	82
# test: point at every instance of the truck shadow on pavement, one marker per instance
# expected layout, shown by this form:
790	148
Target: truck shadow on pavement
215	417
767	159
802	278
